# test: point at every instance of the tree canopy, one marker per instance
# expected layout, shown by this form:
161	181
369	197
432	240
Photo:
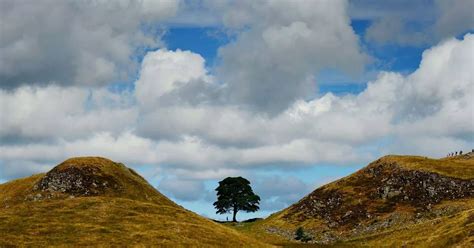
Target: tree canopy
235	194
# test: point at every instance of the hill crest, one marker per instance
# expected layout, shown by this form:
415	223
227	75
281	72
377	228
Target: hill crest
85	177
93	201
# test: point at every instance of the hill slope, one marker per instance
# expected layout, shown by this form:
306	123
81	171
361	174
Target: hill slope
95	201
395	200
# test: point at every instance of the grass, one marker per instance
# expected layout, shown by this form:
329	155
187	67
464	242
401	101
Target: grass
135	214
456	167
449	231
110	221
132	214
253	229
453	228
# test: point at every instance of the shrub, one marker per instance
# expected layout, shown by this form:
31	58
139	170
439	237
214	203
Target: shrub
301	235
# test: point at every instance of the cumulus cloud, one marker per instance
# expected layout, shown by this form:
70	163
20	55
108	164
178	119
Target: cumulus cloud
393	105
45	113
280	46
455	17
75	42
164	72
413	23
206	141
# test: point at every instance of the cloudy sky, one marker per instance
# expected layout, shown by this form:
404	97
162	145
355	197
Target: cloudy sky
290	94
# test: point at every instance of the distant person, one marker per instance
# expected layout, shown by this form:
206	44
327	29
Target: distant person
456	153
460	152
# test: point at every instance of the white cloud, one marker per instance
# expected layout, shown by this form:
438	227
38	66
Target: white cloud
74	42
414	23
164	71
415	113
455	17
330	127
279	47
54	112
205	137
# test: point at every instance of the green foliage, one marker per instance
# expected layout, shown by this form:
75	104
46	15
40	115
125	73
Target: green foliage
306	238
235	194
301	235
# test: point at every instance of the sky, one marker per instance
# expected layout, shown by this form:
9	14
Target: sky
289	94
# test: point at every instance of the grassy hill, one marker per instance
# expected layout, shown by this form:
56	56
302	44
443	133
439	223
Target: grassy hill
394	201
94	201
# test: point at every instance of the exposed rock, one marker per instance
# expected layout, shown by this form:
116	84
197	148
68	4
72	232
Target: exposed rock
281	232
367	201
417	188
75	181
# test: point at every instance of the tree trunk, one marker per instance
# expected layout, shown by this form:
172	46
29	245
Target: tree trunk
235	213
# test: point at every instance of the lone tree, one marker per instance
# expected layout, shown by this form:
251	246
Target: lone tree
235	194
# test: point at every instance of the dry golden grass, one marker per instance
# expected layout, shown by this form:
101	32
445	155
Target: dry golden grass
138	215
457	167
104	221
255	230
449	231
453	229
134	215
15	191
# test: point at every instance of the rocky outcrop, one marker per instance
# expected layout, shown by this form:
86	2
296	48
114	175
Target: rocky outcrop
76	181
378	190
394	193
417	188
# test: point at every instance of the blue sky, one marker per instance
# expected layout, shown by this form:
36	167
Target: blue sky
290	94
